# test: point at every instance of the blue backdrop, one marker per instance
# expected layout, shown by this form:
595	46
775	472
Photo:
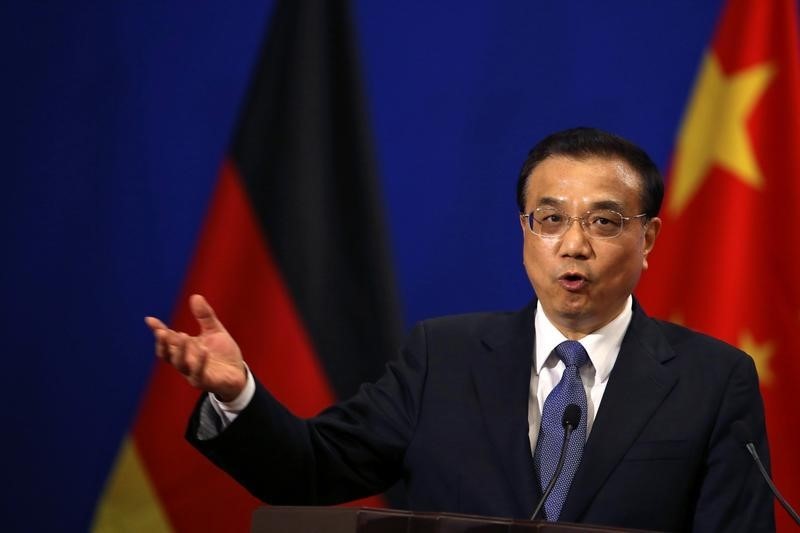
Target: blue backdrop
117	116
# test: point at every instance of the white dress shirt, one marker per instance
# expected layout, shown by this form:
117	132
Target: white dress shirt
602	346
228	411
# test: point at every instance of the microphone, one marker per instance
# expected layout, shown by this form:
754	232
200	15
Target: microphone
570	420
742	434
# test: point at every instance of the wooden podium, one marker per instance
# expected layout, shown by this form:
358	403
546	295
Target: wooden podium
371	520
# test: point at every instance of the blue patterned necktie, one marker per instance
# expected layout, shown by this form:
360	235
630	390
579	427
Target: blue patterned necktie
551	433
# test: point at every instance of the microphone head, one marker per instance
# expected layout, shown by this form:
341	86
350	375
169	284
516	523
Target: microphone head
572	416
741	432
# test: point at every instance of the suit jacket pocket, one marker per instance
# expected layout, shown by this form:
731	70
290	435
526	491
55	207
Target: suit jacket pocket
658	450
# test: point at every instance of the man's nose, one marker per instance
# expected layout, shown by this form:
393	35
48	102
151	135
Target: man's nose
575	241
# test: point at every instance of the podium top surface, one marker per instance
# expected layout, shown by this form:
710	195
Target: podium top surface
371	520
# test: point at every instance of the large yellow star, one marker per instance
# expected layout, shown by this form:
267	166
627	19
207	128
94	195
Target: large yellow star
761	354
714	129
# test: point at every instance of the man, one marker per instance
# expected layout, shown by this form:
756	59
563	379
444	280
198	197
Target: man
470	414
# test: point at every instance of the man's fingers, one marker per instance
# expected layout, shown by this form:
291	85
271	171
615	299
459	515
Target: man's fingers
181	354
165	340
204	314
198	365
188	355
190	358
154	324
170	345
161	333
162	348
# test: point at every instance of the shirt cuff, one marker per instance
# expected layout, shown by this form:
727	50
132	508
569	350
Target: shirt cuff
228	411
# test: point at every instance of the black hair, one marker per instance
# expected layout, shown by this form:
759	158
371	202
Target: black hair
581	143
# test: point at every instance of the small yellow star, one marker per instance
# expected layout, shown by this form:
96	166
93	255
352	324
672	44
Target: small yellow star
714	129
677	318
761	354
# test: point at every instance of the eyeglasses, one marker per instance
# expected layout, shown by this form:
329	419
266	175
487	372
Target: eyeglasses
549	222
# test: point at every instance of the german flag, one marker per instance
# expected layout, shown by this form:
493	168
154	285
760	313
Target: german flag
726	262
294	258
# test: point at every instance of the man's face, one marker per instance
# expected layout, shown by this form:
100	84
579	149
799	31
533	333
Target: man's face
583	282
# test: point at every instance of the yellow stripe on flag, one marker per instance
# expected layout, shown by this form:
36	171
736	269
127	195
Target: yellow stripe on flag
129	503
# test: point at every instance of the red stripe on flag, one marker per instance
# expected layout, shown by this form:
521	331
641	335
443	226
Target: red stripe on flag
234	269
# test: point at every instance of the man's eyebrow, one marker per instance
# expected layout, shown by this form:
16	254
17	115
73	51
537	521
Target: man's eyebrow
549	201
612	205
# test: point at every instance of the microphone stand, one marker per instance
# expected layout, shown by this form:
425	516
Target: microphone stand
752	449
570	420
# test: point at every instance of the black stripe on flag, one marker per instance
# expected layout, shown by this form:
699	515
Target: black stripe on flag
304	150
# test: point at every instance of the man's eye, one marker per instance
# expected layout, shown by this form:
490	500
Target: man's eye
553	219
604	221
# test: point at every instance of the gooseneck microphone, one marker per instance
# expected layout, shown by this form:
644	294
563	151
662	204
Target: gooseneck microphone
570	420
743	435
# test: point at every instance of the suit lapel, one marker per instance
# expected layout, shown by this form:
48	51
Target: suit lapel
637	385
502	381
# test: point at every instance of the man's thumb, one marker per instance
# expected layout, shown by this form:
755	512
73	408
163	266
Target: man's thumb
204	314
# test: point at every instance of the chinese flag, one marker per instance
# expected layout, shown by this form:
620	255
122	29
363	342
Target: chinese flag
293	258
728	260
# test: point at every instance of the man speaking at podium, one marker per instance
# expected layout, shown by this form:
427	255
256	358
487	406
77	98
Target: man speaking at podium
472	414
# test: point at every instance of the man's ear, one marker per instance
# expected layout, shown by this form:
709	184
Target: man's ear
650	234
523	224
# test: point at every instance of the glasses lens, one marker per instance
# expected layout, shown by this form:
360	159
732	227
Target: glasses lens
603	223
548	222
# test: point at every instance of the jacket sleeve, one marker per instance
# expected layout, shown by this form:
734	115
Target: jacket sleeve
348	451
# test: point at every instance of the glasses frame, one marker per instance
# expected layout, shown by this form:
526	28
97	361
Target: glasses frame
583	219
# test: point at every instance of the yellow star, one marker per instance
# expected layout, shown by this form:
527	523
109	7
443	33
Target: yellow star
677	318
761	354
714	129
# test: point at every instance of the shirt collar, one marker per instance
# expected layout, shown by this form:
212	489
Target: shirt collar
602	345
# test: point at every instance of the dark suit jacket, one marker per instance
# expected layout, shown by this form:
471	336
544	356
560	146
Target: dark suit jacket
450	418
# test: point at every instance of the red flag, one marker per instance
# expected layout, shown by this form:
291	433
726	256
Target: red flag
293	258
727	260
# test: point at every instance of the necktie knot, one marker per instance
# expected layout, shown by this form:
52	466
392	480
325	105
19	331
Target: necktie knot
572	353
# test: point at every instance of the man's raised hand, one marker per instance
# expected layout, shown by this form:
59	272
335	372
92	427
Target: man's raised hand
211	361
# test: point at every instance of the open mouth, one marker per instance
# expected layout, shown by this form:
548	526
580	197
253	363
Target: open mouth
573	281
